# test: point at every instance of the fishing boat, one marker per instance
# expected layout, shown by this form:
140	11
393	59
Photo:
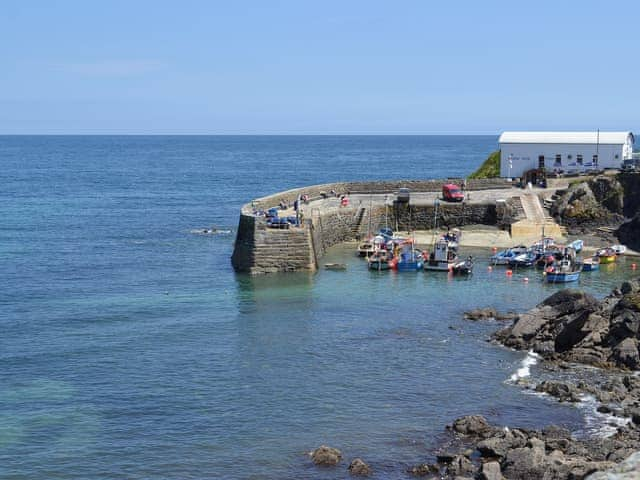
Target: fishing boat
505	256
576	245
442	258
371	245
453	238
527	259
463	268
380	260
591	264
606	255
366	248
565	270
407	258
544	243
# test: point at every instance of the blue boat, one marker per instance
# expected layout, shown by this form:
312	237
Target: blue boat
563	277
591	264
505	256
564	271
408	258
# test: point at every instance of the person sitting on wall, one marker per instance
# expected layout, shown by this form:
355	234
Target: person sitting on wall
344	201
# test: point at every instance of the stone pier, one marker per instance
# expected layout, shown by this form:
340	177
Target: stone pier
262	249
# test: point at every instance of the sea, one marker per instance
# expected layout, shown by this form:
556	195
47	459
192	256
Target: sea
129	347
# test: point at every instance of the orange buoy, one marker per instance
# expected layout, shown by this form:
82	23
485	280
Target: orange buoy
509	273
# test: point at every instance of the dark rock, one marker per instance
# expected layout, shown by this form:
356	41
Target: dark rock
497	446
525	463
585	205
629	232
359	467
445	457
565	392
626	353
423	470
460	465
472	425
571	326
326	456
604	409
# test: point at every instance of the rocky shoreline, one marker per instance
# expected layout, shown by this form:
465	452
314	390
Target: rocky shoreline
570	331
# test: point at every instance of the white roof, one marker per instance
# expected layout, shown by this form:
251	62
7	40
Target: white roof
607	138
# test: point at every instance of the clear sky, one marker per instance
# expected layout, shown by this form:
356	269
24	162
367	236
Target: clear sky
323	67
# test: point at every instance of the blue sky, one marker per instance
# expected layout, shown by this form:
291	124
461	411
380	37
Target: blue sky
324	67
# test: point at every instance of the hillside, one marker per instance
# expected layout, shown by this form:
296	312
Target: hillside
490	168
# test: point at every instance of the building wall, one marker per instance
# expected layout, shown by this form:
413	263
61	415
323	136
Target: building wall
525	156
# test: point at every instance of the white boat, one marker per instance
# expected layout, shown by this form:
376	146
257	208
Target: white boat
619	249
442	258
577	245
505	256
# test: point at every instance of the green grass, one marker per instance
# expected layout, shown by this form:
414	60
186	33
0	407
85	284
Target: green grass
490	168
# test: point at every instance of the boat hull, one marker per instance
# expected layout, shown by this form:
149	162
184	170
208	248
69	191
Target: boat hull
438	266
409	266
608	259
552	277
379	266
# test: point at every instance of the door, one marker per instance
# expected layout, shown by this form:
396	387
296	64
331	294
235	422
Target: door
541	161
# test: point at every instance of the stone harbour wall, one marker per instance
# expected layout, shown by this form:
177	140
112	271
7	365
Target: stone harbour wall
391	186
260	249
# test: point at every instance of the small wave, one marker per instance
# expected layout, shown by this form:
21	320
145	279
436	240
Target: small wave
597	423
525	367
210	231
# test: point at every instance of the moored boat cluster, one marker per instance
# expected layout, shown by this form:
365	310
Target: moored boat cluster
561	263
386	251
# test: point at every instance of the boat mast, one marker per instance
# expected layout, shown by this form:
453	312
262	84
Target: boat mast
370	206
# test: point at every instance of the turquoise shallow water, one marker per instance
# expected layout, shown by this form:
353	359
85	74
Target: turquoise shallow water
130	348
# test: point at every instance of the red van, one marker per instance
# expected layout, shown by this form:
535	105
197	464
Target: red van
452	193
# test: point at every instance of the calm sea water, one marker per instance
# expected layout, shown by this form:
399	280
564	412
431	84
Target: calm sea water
130	349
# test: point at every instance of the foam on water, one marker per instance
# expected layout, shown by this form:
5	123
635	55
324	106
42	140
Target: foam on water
525	367
598	424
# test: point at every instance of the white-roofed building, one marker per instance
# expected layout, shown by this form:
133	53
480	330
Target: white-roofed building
563	151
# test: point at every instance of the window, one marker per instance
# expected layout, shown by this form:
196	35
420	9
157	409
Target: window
569	157
617	156
579	159
558	162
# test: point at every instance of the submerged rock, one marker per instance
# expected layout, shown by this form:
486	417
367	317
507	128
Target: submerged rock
487	313
326	456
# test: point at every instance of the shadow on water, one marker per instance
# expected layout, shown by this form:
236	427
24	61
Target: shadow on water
293	290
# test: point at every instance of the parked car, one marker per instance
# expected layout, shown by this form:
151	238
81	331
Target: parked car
452	193
403	195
